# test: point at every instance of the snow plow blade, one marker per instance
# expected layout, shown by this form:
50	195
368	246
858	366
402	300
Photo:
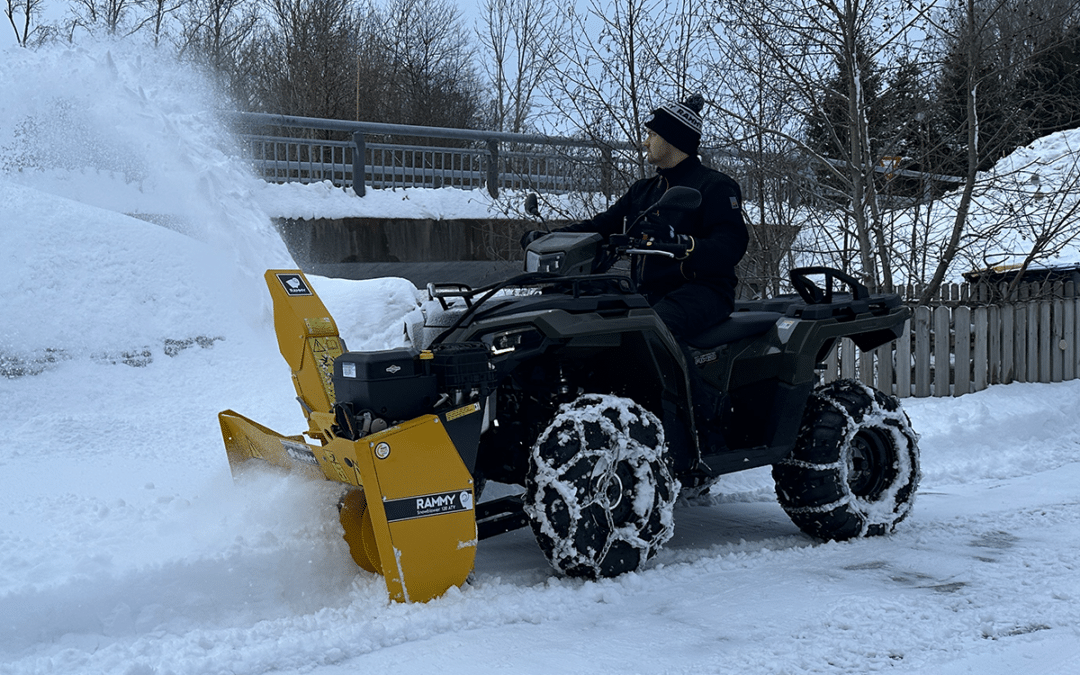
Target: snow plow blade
408	511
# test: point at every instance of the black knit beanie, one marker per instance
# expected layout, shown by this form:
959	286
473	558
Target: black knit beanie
679	123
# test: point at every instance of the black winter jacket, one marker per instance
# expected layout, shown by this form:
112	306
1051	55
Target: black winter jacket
717	228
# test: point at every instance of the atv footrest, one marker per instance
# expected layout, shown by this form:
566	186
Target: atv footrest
500	515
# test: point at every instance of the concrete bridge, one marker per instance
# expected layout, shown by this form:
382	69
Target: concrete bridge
469	251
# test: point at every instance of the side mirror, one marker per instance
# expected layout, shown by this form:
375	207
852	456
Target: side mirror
532	205
678	198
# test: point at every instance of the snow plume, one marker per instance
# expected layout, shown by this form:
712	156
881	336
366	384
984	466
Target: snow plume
133	134
129	129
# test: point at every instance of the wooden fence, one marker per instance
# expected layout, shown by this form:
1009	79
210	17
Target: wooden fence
956	347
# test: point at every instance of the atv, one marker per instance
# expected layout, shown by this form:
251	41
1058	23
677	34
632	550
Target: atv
564	382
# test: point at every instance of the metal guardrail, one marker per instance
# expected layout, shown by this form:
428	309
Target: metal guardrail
358	155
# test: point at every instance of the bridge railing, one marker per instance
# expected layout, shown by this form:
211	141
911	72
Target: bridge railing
284	148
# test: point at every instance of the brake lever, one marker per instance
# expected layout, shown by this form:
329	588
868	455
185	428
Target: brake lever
650	251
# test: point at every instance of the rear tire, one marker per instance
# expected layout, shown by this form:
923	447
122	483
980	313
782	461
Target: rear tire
600	496
855	467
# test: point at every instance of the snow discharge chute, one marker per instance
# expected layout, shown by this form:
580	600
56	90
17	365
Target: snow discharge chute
408	513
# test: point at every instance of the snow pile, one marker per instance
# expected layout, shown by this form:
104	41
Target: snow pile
128	130
324	200
1030	197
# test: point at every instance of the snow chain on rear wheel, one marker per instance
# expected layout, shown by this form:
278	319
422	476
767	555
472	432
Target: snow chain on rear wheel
855	467
600	496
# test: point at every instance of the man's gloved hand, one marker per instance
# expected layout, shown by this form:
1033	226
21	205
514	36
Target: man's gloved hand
687	244
664	238
658	231
531	236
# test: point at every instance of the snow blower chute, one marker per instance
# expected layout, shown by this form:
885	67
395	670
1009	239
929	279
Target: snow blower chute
408	513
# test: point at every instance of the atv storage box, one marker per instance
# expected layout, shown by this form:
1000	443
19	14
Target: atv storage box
389	383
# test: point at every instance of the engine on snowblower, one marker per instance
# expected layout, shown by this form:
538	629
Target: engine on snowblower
376	390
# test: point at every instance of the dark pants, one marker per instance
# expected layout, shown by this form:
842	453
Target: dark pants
688	311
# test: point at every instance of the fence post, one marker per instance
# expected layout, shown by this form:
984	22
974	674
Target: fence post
885	376
493	168
1076	331
922	352
866	367
903	362
847	360
980	358
993	325
1033	318
1057	336
1008	344
831	364
607	168
359	163
962	350
1068	318
942	365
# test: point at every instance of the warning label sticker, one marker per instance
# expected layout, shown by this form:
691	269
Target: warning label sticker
424	506
325	351
462	411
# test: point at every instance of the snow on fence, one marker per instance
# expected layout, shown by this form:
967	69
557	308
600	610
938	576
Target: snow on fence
967	340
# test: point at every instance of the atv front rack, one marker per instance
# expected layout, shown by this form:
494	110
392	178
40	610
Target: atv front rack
578	286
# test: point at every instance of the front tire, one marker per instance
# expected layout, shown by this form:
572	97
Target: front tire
600	496
855	466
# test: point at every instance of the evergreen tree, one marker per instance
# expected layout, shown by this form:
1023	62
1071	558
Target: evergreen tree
1049	87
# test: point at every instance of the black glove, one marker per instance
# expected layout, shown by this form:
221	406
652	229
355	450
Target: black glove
531	236
664	238
658	231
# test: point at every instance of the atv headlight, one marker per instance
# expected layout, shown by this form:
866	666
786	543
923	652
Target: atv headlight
549	262
511	340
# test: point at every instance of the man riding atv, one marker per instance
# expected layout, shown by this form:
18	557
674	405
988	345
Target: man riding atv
567	382
695	289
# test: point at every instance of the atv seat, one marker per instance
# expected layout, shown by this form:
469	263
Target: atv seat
737	326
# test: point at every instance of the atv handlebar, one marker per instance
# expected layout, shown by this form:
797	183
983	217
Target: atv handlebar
620	244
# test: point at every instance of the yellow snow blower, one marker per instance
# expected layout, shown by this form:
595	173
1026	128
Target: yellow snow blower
409	514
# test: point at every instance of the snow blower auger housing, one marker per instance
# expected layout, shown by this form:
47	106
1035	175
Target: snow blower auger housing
409	514
563	381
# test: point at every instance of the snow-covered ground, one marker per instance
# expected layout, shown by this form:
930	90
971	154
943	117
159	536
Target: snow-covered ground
126	547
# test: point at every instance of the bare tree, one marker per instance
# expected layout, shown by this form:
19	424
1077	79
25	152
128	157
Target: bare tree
24	17
110	16
431	56
798	48
1026	210
159	13
308	54
518	38
617	61
219	34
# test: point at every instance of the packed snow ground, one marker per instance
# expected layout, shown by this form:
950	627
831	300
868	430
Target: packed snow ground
126	547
